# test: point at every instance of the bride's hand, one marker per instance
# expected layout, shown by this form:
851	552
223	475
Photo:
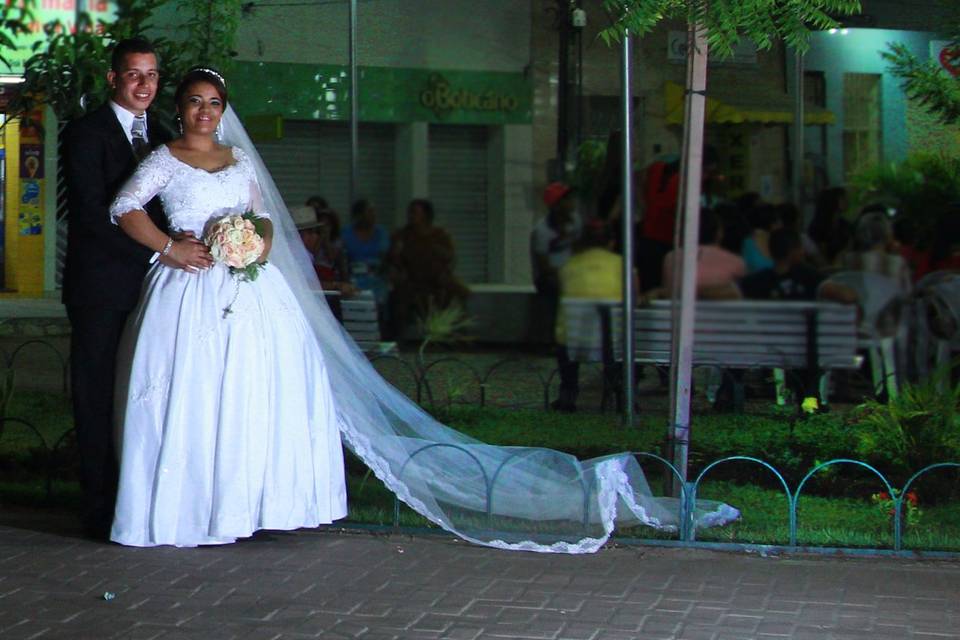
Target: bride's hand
188	253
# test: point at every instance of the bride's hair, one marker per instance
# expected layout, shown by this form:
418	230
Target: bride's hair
201	74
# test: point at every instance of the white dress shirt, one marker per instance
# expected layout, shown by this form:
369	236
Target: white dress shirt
126	121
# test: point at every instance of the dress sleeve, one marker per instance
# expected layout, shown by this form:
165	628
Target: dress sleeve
257	205
148	180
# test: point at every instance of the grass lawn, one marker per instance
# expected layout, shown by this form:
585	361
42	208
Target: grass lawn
836	512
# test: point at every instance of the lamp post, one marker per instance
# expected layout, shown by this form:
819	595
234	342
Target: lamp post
354	107
626	197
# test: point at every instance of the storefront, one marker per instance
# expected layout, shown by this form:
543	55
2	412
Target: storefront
750	130
460	138
27	218
29	221
876	121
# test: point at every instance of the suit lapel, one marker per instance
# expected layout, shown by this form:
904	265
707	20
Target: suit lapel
122	150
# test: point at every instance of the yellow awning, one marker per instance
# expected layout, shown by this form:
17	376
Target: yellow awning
745	106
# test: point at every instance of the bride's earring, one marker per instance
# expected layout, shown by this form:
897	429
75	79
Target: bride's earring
218	134
180	124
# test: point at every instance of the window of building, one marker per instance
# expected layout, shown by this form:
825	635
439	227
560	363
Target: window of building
815	89
861	122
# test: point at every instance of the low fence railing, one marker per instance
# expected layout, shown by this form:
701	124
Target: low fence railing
689	490
421	387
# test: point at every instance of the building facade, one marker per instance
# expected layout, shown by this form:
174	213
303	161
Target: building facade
444	109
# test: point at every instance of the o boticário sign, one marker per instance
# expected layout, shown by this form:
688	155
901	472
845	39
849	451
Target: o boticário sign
63	14
322	92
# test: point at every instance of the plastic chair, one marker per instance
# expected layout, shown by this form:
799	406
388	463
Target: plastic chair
881	303
943	307
925	337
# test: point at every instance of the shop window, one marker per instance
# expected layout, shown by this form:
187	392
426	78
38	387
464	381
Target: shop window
815	89
861	122
732	143
603	114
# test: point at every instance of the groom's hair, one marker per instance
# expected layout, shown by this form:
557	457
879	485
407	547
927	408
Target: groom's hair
125	47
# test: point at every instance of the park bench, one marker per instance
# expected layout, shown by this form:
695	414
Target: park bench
805	337
359	318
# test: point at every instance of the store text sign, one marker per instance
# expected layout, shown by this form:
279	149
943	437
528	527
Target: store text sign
442	98
58	16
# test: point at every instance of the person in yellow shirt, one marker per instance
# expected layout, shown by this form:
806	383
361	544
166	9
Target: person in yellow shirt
593	272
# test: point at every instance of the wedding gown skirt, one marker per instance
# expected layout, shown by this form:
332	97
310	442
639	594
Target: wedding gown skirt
228	424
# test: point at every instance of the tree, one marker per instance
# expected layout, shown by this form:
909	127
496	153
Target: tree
726	22
926	81
67	71
14	18
716	25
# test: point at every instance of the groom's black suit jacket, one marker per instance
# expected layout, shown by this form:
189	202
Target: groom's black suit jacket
104	267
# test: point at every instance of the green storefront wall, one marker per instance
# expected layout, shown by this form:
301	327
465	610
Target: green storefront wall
387	94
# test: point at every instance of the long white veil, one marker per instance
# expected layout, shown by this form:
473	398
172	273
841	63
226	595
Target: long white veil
508	497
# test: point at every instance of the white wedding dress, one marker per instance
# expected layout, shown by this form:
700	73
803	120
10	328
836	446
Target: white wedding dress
227	423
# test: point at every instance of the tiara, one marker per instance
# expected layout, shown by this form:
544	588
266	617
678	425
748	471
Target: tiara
212	73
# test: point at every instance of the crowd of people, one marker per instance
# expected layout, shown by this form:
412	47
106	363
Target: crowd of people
748	248
409	272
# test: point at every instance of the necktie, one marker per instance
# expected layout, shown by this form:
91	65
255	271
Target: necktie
138	135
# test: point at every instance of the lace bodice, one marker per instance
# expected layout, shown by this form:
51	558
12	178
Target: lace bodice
191	196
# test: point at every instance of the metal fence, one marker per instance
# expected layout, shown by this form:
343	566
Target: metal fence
425	381
687	534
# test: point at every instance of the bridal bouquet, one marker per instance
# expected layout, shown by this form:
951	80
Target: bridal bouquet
236	242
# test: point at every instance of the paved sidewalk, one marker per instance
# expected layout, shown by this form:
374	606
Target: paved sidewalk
324	584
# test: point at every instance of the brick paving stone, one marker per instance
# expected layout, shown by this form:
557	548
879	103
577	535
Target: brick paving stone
321	584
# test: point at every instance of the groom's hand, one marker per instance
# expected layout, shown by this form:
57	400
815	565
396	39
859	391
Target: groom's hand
187	253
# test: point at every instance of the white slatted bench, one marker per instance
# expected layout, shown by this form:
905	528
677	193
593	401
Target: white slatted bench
360	320
813	337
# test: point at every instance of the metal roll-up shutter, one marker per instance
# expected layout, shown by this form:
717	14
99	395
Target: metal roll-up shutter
313	158
458	188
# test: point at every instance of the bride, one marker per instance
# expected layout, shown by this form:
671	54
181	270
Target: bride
228	422
231	422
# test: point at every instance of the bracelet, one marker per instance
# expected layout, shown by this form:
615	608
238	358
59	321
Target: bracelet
167	247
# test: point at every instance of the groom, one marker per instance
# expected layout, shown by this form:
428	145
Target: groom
104	267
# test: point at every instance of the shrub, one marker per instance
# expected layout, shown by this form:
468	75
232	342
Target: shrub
919	427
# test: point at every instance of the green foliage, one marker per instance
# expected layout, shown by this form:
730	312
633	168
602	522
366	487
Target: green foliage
591	156
64	69
921	186
14	18
443	325
210	28
68	70
726	22
925	81
918	428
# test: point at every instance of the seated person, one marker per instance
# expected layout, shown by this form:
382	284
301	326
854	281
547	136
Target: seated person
875	249
790	278
553	237
756	246
594	271
421	264
790	218
366	243
715	265
315	233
